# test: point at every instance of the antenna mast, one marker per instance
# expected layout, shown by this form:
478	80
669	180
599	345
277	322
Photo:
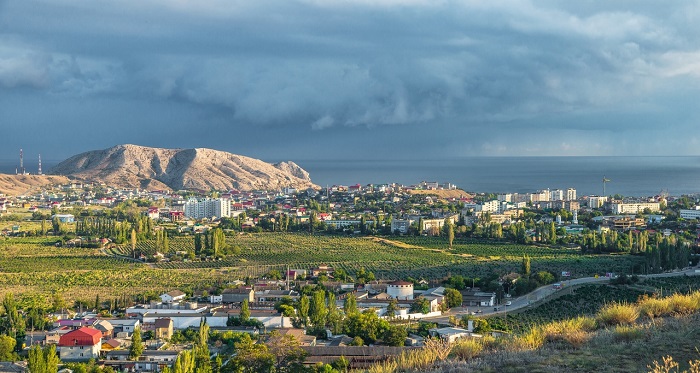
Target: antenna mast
21	161
39	164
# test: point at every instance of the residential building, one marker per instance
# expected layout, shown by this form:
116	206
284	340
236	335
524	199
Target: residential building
634	208
596	202
172	296
691	214
556	195
238	295
400	225
571	194
163	328
80	344
207	208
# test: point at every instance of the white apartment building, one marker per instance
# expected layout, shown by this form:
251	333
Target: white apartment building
596	201
556	195
634	208
691	214
542	195
505	197
400	225
571	194
207	208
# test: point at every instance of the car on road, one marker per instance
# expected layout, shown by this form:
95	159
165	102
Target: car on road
496	308
508	303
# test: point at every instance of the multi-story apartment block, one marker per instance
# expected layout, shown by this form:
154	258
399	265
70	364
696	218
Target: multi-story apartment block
556	195
634	208
571	194
207	208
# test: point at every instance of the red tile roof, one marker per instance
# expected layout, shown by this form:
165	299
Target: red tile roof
81	337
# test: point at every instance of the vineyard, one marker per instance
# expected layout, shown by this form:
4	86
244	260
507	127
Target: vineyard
33	268
419	257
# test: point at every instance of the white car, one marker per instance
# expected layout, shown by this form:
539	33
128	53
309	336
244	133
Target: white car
508	303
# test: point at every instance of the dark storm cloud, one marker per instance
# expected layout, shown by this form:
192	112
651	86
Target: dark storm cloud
475	77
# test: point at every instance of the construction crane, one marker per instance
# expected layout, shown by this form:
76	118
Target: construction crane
605	180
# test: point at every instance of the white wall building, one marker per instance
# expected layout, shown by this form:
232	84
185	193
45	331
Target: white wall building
634	208
207	208
691	214
571	194
596	202
556	195
400	225
402	290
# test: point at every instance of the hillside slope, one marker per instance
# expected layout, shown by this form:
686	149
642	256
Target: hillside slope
23	184
134	166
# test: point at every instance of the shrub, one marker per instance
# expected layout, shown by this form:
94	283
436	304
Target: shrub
624	333
572	331
654	307
467	349
683	304
617	314
531	340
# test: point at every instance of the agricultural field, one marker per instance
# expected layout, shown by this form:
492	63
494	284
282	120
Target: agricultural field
422	257
33	268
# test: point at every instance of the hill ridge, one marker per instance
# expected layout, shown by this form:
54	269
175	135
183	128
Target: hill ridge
135	166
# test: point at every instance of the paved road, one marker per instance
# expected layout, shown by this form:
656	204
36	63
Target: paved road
543	292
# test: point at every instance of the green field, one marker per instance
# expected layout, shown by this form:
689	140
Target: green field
422	257
31	266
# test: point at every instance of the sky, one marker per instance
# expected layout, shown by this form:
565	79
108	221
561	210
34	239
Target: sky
362	79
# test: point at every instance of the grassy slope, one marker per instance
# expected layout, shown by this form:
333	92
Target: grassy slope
677	337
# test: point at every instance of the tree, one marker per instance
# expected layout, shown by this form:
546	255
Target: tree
198	244
395	335
421	305
136	348
318	310
12	322
350	304
342	364
303	308
245	311
526	266
334	318
133	239
286	349
43	360
392	307
449	231
366	325
7	348
453	298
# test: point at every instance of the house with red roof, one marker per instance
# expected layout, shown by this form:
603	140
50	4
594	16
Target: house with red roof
80	344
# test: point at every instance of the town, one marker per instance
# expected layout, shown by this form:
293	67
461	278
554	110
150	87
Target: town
341	278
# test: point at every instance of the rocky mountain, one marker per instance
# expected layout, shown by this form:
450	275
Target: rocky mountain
134	166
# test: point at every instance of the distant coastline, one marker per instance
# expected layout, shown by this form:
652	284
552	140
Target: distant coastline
630	175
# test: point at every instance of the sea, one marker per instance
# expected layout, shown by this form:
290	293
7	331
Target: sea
628	176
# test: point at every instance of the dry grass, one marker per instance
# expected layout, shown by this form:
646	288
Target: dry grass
467	349
625	333
654	307
618	314
668	365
